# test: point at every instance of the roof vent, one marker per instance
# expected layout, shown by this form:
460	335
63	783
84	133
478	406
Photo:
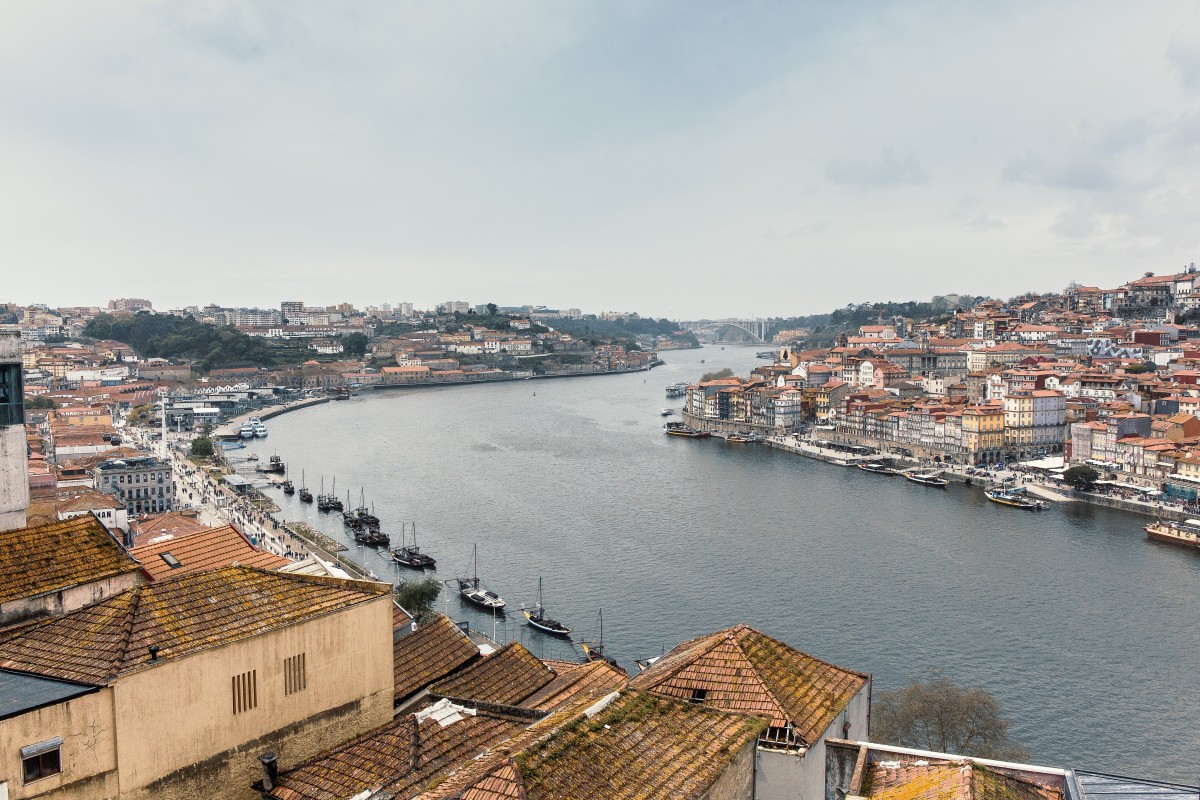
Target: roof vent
154	652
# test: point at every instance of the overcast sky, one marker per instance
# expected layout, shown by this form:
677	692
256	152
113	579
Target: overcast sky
681	159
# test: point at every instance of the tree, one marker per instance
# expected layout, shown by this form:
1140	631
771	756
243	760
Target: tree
1139	368
719	375
492	309
942	716
418	597
202	447
355	344
41	402
1081	477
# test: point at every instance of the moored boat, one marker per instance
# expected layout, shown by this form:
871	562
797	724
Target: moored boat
680	429
593	650
473	591
246	431
538	619
933	479
878	467
305	494
1185	533
1013	499
410	555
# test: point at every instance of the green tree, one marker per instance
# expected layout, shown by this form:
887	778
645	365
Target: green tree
719	375
418	597
202	447
355	344
941	716
1082	477
40	402
492	309
1139	368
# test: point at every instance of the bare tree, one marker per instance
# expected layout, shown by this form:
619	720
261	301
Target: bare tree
939	715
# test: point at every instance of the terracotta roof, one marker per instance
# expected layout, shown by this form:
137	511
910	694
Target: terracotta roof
594	680
208	549
505	677
430	653
382	759
952	781
45	558
639	747
180	616
173	523
743	670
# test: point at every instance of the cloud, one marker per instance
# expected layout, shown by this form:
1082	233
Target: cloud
968	213
1183	53
889	169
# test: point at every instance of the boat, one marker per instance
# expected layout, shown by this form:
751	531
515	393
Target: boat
594	650
275	466
1185	533
473	591
538	619
287	486
305	494
410	555
260	430
677	390
246	431
1014	499
680	429
335	502
877	467
928	479
252	457
666	412
372	537
737	438
343	393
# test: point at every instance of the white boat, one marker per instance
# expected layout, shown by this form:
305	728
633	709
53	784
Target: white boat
246	431
538	618
473	591
666	412
260	430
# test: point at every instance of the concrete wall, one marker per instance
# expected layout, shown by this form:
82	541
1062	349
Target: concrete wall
61	602
737	781
784	775
14	477
179	737
88	753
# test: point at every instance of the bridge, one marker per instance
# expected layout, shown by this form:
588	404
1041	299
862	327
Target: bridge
757	330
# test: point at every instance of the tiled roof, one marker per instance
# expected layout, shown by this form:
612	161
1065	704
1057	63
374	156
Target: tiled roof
382	760
952	781
594	680
505	677
209	549
172	523
45	558
639	747
743	670
98	643
429	654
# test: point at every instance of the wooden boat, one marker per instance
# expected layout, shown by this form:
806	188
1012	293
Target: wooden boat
679	429
473	591
878	467
410	555
1185	533
594	650
538	619
738	438
928	479
1013	499
305	494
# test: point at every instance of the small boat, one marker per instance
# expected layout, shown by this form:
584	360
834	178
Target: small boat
343	393
275	466
252	457
877	467
679	429
538	619
260	430
928	479
594	650
1185	533
666	412
288	487
305	494
472	589
246	431
1013	499
410	555
737	438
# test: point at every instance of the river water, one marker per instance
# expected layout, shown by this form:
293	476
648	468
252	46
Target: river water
1084	630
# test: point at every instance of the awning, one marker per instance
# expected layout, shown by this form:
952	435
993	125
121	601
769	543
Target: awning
1050	462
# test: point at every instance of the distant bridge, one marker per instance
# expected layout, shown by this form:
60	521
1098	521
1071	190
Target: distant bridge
757	329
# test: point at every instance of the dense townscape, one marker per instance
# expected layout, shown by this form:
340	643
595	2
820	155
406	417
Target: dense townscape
166	635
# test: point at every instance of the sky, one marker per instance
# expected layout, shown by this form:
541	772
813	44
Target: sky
681	159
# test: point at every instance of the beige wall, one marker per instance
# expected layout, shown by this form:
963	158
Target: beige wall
179	737
69	599
85	724
737	781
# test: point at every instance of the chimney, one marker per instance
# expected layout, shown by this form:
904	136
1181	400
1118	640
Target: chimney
154	652
414	746
270	770
14	458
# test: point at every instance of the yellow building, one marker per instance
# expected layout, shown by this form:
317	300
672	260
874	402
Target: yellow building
173	689
983	434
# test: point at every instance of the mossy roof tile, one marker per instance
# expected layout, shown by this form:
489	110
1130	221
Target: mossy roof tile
45	558
436	649
505	677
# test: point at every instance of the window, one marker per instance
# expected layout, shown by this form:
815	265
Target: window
171	560
295	675
699	695
245	691
12	396
41	760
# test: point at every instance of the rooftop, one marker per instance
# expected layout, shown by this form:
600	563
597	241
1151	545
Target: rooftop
740	669
505	677
215	547
184	615
436	649
21	693
45	558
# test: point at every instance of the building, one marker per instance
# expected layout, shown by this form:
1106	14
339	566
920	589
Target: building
173	689
144	484
14	483
802	700
1034	423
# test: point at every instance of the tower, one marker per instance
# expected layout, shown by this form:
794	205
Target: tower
14	470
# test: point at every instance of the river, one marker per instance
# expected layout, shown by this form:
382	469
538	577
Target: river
1084	630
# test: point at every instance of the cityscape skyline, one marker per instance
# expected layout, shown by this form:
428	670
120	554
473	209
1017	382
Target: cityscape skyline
677	160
